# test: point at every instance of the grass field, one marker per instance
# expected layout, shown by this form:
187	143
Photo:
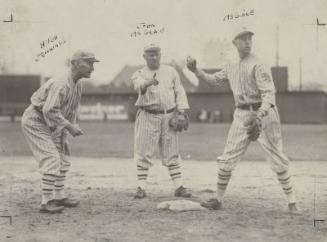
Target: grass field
200	142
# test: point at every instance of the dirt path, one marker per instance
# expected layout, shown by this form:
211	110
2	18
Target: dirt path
254	208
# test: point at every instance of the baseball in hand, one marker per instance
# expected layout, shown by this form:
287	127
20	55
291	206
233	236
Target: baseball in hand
191	63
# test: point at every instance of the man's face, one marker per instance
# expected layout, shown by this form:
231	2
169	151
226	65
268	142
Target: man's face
84	68
152	59
243	44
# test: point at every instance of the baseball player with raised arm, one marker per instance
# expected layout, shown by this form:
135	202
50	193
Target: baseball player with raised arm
255	117
161	115
46	124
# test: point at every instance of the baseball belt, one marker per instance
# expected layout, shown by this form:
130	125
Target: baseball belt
158	111
252	106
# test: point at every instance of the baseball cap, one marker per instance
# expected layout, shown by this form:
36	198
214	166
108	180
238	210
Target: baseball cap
242	31
82	54
152	47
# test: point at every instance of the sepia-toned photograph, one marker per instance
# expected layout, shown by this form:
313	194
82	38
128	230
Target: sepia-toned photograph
158	121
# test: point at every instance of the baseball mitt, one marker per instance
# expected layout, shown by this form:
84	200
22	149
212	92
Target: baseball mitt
179	121
254	128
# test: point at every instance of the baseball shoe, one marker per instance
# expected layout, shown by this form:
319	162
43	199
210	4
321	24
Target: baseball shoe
212	203
182	192
293	209
51	207
67	202
140	193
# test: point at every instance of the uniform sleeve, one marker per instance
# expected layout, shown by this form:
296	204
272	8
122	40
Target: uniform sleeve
216	79
181	98
139	82
266	86
74	116
51	108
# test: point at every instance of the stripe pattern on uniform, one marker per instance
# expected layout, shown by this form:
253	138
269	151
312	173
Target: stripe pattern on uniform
152	130
251	82
53	106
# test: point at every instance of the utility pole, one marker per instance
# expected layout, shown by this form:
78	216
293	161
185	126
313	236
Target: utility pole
300	74
277	45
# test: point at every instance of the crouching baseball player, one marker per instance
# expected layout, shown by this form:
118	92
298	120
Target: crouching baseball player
161	115
46	124
255	118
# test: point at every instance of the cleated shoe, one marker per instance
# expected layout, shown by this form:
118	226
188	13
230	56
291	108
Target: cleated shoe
67	202
51	207
212	203
140	193
182	192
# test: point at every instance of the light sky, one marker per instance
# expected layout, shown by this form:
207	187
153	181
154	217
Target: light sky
104	27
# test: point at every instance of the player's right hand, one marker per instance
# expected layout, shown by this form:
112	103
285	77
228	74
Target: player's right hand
155	82
74	130
191	63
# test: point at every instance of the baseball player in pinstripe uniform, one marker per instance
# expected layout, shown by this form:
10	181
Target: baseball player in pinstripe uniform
46	124
255	118
160	95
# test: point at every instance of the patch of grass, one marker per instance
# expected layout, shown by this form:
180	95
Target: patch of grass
200	142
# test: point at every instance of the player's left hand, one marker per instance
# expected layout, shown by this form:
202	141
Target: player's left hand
254	127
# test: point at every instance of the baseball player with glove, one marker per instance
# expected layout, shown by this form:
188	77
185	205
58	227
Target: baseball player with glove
46	124
255	118
161	115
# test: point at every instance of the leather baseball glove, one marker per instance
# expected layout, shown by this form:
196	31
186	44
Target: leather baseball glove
179	121
254	127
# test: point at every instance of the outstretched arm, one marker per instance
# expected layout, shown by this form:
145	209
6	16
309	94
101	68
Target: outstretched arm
215	79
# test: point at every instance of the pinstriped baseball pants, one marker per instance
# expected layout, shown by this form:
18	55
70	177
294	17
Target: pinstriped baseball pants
270	140
45	146
153	130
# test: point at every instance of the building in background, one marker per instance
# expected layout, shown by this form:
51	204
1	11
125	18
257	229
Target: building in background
209	104
116	100
280	77
15	93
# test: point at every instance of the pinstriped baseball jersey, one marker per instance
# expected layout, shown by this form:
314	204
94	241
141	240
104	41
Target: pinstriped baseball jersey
153	130
250	81
58	99
53	106
168	94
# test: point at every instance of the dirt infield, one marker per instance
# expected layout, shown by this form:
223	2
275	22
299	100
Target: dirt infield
254	208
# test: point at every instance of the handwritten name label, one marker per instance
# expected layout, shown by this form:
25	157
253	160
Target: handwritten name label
245	13
143	29
49	45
